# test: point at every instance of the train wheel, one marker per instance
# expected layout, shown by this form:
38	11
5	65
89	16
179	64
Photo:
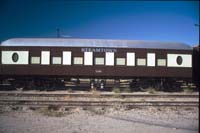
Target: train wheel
92	84
117	83
102	84
18	85
19	88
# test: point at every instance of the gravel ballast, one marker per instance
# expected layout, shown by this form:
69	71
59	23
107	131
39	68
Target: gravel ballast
100	120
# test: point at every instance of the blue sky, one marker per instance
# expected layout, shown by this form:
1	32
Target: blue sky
133	20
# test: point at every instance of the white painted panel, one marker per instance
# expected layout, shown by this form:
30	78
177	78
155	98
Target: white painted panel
23	57
172	60
35	60
88	58
45	57
110	58
151	59
67	57
56	60
130	59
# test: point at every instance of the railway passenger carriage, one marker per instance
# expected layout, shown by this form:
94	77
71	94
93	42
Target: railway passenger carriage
47	61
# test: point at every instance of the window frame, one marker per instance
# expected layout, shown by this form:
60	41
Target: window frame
142	59
162	60
78	57
99	64
52	60
120	64
35	63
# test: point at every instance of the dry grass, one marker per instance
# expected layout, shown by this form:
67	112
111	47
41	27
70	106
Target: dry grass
52	111
188	90
95	93
143	100
151	90
128	90
116	90
96	110
69	90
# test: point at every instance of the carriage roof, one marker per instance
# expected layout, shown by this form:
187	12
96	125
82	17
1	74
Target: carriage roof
74	42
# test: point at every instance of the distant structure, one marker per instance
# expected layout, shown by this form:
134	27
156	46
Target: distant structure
61	36
58	32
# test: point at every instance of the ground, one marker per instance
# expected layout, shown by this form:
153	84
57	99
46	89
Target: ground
100	120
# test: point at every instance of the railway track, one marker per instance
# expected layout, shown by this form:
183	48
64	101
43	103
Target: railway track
98	103
99	94
43	99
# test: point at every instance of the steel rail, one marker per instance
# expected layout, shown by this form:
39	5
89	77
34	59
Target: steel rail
96	99
120	95
66	103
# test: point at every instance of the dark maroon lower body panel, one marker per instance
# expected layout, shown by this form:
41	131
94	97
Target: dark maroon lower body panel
95	71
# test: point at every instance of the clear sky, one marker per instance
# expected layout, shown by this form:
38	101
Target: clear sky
133	20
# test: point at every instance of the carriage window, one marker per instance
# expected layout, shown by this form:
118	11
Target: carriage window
179	60
120	61
15	57
141	62
78	60
56	60
161	62
35	60
99	61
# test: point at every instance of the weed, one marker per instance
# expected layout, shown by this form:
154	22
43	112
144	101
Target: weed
52	111
187	90
70	90
116	90
95	93
151	90
143	100
128	90
188	108
97	110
